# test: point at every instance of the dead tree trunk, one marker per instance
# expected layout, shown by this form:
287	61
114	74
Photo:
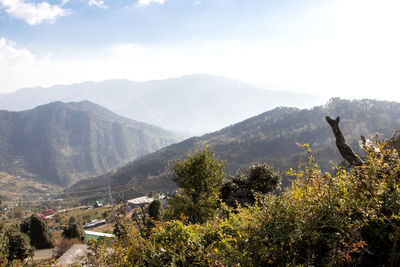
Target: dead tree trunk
344	149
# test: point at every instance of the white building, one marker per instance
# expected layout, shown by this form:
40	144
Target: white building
139	201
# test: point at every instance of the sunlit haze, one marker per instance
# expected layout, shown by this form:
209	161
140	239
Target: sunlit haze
346	48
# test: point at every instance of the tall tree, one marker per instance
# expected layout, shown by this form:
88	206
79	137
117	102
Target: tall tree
199	179
38	232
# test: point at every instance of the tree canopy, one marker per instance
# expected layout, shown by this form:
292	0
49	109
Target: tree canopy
14	245
199	179
38	232
73	230
241	189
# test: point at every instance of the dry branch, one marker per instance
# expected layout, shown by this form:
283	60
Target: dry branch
344	149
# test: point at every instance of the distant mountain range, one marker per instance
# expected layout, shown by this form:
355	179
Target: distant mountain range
191	104
269	137
60	143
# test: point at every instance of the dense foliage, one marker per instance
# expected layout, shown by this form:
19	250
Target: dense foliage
244	186
349	218
38	232
3	248
73	230
154	209
199	178
14	245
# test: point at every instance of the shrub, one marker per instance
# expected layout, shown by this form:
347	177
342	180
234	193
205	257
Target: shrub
16	244
73	231
154	209
348	218
242	188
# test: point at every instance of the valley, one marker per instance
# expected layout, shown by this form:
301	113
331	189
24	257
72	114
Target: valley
271	137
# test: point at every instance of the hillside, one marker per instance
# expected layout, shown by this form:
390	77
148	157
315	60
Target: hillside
194	103
270	137
62	143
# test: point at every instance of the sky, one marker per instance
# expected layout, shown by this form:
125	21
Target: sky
344	48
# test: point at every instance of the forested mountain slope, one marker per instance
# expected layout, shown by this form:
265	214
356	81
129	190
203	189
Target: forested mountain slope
270	137
62	143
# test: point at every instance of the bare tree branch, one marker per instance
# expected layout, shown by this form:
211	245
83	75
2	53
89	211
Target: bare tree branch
344	149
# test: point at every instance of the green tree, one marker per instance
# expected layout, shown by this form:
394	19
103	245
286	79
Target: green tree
154	209
264	178
38	232
260	178
73	231
199	179
15	244
3	248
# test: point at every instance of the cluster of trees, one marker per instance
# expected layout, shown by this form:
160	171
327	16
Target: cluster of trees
204	189
347	218
203	185
18	242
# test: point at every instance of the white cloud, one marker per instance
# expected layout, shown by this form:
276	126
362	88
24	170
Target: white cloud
98	3
34	13
325	67
12	56
144	3
354	58
196	2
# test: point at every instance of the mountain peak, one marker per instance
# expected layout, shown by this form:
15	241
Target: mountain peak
61	143
194	103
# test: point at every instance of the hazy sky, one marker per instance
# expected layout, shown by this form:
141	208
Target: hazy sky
348	48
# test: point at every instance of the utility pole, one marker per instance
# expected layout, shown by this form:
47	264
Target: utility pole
111	198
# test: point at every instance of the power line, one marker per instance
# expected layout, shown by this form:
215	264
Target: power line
72	198
67	194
